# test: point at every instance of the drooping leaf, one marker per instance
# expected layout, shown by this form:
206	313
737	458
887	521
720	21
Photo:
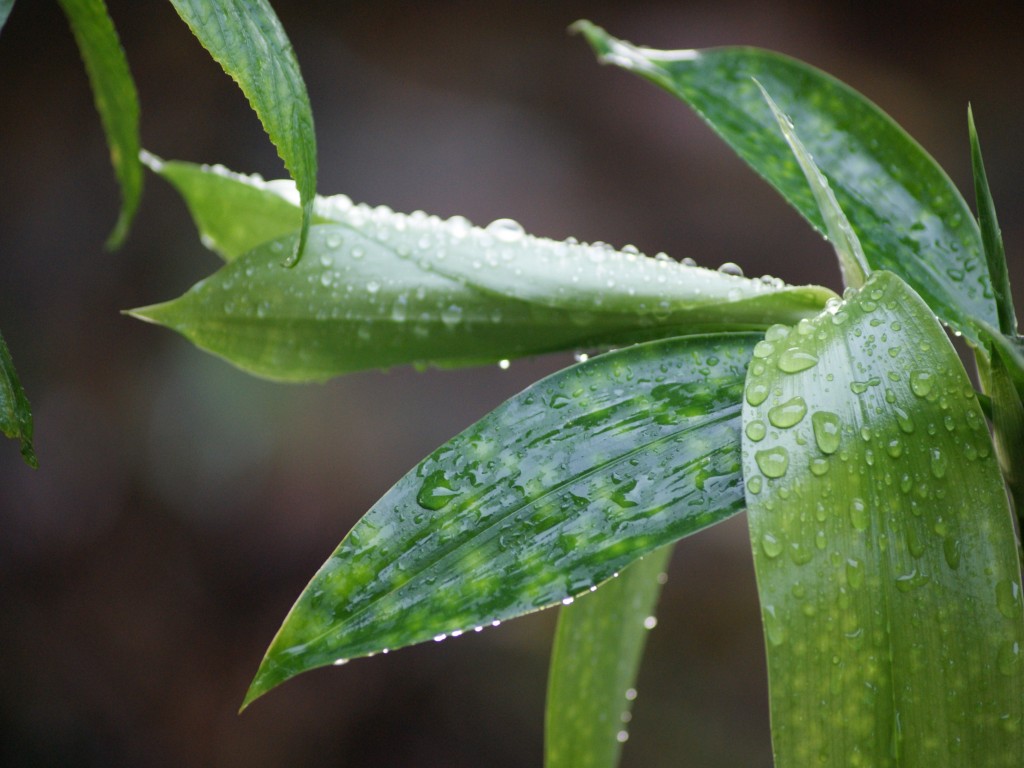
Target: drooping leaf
116	101
5	11
598	646
15	412
991	237
382	289
908	215
246	38
552	493
883	546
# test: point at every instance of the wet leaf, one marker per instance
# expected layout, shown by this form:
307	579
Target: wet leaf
116	100
15	412
908	215
552	493
883	545
247	40
598	646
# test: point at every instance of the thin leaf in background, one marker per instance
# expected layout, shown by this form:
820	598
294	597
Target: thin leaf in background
116	100
247	40
598	646
552	493
15	412
5	11
909	216
884	549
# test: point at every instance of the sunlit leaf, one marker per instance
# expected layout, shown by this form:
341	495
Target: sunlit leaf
15	413
884	549
598	646
246	38
552	493
908	215
116	100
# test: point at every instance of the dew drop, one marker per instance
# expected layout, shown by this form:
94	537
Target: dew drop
772	546
859	513
505	230
826	427
938	463
794	360
854	573
773	462
756	430
921	383
773	626
1008	657
451	315
729	268
788	414
757	392
819	466
436	492
1008	598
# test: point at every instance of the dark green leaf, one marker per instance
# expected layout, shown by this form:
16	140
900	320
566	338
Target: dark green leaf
992	238
552	493
884	549
116	100
5	10
247	40
1002	377
15	413
908	215
598	646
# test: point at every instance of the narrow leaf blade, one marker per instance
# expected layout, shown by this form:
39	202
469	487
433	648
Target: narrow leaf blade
15	412
883	546
909	216
552	493
116	101
598	646
246	38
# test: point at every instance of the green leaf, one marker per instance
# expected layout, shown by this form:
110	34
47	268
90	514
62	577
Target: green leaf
1002	376
552	493
15	412
909	216
883	545
382	288
991	237
598	646
5	10
116	100
246	38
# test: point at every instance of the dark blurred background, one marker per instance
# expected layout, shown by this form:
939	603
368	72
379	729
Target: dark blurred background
181	506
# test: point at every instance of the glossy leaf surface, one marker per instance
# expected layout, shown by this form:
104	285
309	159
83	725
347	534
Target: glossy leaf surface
5	11
15	413
883	546
116	101
552	493
598	646
909	216
246	38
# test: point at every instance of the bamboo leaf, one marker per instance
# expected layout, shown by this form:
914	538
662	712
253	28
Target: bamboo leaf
552	493
883	545
15	412
246	38
598	646
116	101
908	215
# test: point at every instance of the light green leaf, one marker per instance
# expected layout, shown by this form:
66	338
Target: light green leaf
247	40
883	545
116	100
598	646
5	10
552	493
908	215
382	288
15	412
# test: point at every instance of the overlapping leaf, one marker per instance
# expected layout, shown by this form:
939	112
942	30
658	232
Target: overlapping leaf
909	217
884	549
598	646
246	38
552	493
15	413
116	100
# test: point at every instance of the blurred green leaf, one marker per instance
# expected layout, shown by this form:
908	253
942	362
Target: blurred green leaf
246	38
116	100
883	546
908	215
552	493
598	646
5	11
15	412
382	288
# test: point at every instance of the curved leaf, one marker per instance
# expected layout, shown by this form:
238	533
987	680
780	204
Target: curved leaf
5	10
116	100
909	216
247	40
15	412
552	493
598	646
884	549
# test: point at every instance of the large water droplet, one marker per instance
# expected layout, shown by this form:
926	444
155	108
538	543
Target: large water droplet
436	492
859	513
771	545
788	414
854	573
774	629
505	230
921	383
451	315
757	392
729	268
794	360
773	462
938	463
756	430
827	431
